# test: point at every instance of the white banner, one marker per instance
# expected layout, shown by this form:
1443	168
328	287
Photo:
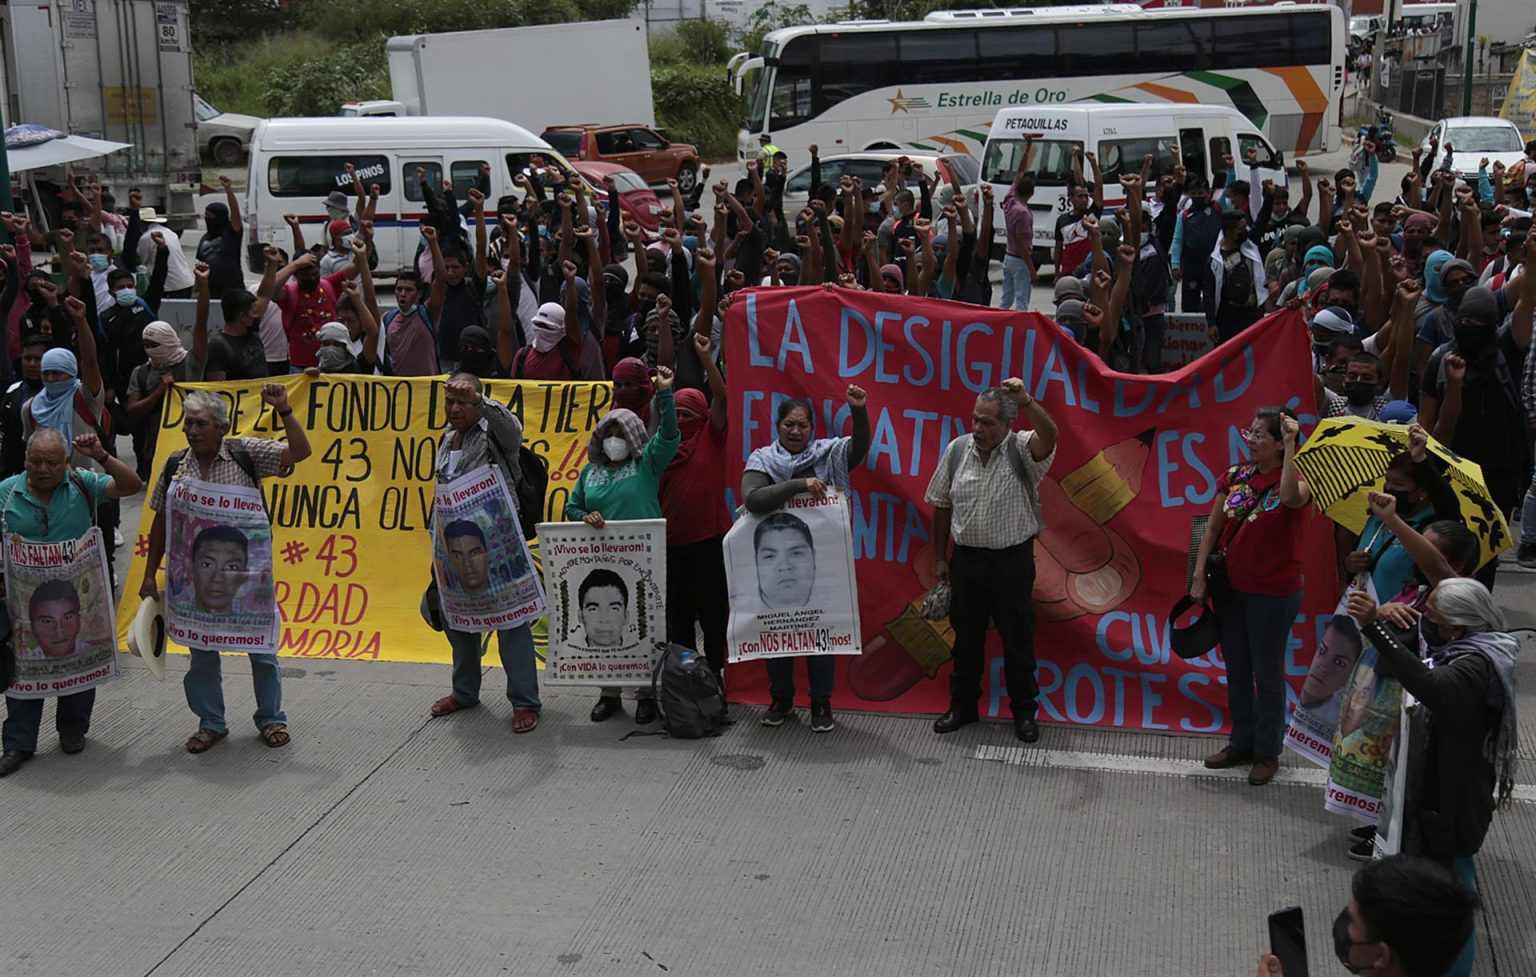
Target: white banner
61	614
485	574
607	600
218	568
1311	729
792	588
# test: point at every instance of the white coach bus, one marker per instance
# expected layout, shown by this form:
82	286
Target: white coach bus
936	84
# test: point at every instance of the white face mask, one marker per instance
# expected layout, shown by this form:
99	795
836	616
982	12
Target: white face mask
617	449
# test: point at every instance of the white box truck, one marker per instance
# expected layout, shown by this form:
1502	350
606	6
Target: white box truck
109	69
596	72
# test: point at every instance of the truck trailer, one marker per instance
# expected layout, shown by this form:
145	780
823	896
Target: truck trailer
109	69
595	72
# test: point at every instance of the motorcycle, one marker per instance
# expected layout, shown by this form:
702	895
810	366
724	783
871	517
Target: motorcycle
1381	135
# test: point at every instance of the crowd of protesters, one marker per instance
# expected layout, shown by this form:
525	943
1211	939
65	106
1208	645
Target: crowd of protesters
1419	310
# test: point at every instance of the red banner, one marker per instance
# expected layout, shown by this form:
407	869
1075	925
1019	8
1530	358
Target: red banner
1130	488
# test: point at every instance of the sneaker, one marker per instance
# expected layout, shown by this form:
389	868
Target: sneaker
1526	556
821	716
1363	851
1364	833
778	711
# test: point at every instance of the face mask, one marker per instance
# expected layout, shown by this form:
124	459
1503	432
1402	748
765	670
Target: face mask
408	309
480	362
332	359
99	262
1359	393
336	215
1430	631
125	297
1146	238
788	277
617	449
1473	341
59	388
1342	943
647	306
1453	296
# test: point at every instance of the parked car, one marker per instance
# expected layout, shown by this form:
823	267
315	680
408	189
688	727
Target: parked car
638	201
950	172
635	147
224	137
1474	138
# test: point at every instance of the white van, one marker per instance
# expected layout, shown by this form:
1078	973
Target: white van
296	163
1121	135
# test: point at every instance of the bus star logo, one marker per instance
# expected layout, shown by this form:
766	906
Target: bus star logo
900	103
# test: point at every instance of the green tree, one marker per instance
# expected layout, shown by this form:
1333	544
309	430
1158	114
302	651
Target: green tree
221	23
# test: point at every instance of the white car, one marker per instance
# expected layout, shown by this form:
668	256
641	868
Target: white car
949	171
1474	138
224	137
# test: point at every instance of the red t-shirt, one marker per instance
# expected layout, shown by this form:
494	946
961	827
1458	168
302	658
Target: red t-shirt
1264	551
303	315
693	490
561	363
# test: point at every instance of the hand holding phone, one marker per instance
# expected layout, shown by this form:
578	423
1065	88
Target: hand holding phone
1288	941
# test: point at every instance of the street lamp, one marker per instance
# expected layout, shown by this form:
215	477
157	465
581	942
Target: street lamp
1466	56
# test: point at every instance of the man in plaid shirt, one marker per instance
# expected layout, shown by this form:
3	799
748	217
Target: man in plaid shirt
209	458
987	507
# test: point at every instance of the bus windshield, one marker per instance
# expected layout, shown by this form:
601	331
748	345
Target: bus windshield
1052	165
757	106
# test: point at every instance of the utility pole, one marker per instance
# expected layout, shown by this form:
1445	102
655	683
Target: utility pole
1466	53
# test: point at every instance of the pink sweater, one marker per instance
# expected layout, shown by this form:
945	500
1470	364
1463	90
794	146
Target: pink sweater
23	301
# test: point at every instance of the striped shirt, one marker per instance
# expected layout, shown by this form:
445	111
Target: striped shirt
989	506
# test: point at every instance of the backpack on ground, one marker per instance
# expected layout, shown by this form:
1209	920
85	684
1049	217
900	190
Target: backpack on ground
688	694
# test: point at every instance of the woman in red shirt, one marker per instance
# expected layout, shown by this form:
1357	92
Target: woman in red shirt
1256	527
693	501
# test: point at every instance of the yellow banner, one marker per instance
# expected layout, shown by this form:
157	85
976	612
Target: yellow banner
1520	102
350	537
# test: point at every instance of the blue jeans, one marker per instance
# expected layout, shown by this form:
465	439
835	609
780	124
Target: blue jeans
24	717
1254	631
204	685
781	676
1016	282
517	659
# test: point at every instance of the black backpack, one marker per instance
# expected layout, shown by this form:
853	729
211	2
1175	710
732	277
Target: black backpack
1237	287
688	694
529	480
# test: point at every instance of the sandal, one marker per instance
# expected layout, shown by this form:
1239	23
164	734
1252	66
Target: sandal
447	704
275	735
204	738
525	720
